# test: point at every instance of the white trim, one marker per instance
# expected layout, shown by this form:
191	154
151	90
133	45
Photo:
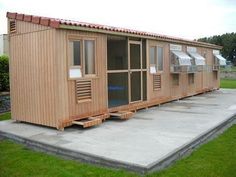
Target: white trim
191	49
216	52
175	47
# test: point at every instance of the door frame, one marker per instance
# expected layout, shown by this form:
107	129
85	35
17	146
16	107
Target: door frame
135	70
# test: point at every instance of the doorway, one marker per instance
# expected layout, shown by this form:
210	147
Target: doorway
135	71
126	71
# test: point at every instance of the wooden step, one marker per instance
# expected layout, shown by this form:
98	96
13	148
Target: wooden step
122	114
89	122
103	117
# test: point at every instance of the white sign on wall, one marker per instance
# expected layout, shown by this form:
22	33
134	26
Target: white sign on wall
75	73
153	70
216	52
191	49
175	47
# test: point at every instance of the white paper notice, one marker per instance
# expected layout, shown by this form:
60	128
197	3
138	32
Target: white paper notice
153	70
75	73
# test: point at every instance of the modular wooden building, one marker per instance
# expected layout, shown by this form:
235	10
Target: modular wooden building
63	72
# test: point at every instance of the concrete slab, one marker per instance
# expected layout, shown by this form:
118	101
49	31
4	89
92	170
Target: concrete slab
153	139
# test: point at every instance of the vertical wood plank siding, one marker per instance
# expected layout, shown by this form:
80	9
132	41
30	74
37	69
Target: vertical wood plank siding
33	78
69	107
203	81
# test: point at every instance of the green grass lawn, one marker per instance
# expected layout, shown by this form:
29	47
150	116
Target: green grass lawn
214	159
5	116
228	83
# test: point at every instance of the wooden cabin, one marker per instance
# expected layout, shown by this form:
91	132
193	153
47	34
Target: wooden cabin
66	72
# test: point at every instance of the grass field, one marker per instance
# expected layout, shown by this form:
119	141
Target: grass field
5	116
228	83
233	68
214	159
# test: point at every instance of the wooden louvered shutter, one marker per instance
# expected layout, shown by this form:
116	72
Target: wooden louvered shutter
157	82
83	90
12	26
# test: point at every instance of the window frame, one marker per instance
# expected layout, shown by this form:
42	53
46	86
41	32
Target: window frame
82	39
174	80
83	47
71	59
156	58
158	46
191	79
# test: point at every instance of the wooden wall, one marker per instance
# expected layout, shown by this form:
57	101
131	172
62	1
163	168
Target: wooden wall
163	93
26	27
42	93
203	81
33	74
67	103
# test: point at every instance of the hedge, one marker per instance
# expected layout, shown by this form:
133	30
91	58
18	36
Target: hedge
4	73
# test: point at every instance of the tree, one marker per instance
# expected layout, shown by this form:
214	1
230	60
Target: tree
228	41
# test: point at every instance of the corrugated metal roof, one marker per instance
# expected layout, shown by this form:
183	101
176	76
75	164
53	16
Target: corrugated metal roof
56	23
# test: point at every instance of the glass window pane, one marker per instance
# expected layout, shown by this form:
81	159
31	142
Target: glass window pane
76	54
135	58
190	78
144	85
152	55
135	86
160	58
89	56
144	54
117	54
117	89
175	79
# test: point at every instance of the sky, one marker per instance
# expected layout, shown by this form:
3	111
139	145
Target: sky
189	19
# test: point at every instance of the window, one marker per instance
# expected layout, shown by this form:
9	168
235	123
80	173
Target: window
76	53
82	57
117	52
216	75
175	79
152	56
156	57
191	79
205	54
160	58
89	53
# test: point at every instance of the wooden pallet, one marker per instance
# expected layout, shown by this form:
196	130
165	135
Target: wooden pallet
122	114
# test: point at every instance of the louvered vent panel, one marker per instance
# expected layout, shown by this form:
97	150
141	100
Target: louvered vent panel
12	26
157	82
83	90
